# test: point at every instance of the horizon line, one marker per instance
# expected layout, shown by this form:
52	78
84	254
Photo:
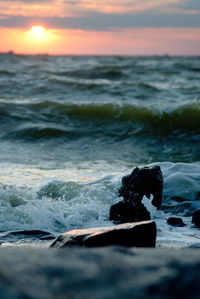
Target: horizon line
11	52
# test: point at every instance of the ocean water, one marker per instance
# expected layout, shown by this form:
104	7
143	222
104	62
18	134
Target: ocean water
72	127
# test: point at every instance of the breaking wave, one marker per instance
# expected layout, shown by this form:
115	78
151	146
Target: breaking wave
54	119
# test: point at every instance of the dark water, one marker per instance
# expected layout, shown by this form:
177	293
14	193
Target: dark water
72	126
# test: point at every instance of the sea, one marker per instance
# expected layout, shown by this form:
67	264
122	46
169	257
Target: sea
72	126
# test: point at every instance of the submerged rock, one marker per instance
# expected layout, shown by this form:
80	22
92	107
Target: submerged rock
144	181
129	211
141	234
196	218
175	221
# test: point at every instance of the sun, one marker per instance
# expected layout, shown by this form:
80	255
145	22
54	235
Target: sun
38	32
39	38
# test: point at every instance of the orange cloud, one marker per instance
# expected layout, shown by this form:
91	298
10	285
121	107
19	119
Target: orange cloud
125	6
63	8
37	9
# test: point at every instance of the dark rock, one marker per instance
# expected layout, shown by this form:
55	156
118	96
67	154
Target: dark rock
11	236
128	211
141	234
40	234
196	218
175	221
145	181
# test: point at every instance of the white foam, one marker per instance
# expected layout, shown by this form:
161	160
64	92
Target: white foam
155	214
41	199
180	179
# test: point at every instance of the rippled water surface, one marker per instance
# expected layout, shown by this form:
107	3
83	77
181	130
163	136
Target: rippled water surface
71	127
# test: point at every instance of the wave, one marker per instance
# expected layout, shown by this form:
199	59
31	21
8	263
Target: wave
38	133
47	119
7	73
141	78
112	79
185	117
92	73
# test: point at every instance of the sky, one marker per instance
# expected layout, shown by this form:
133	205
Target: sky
100	27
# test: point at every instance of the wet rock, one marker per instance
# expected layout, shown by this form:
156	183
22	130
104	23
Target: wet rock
145	181
129	211
13	236
196	218
140	234
39	234
175	221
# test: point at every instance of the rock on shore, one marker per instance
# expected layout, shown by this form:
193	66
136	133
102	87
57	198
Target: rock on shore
100	273
141	182
138	234
196	218
129	211
175	221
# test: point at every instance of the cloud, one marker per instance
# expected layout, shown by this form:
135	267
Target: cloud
33	8
77	7
66	8
119	6
100	15
191	4
27	1
184	6
105	22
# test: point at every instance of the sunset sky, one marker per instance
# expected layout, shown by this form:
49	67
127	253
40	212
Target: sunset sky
137	27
